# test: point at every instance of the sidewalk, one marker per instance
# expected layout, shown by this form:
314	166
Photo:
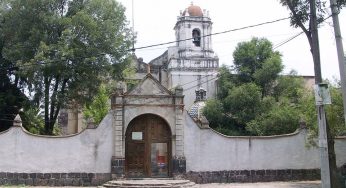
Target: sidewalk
298	184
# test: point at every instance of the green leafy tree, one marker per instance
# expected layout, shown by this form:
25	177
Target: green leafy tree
62	48
253	98
11	101
214	112
11	97
255	61
32	120
243	102
290	86
282	118
99	106
334	112
226	81
299	12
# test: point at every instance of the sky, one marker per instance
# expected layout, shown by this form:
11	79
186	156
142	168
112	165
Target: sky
154	21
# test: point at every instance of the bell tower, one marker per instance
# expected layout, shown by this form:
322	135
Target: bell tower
192	63
192	32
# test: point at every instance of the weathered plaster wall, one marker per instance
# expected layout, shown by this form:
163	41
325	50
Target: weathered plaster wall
206	150
90	151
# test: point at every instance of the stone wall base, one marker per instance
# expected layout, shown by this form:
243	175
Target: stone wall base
117	168
54	179
253	176
179	167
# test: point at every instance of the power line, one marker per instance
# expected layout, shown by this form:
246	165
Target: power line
295	36
165	43
217	33
287	40
159	44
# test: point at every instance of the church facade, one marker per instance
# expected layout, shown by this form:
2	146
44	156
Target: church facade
156	129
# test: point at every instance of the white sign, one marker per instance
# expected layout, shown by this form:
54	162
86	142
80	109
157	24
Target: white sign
322	94
137	136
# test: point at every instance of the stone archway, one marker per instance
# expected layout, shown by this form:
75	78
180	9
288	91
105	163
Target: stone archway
148	147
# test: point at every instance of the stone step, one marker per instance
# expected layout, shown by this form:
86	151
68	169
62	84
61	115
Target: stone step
149	183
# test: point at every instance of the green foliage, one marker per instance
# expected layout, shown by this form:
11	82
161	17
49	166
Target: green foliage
225	81
255	61
11	101
282	118
213	111
256	100
290	86
64	49
300	9
334	113
32	120
300	14
99	106
243	102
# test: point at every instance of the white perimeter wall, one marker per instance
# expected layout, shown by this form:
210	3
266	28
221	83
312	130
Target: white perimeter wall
90	151
206	150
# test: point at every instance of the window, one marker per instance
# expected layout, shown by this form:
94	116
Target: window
196	35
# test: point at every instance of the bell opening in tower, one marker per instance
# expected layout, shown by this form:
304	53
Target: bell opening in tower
196	35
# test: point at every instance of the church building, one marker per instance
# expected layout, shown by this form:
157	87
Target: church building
156	129
149	136
191	63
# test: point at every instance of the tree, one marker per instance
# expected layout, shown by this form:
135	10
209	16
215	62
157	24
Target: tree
299	13
243	102
63	49
312	12
334	112
255	61
255	99
11	98
99	106
282	118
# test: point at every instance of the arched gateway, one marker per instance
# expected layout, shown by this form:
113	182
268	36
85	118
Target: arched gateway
148	131
148	147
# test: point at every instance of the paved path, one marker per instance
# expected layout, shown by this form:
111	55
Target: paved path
300	184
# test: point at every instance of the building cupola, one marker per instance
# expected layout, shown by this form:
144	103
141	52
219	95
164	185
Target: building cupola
193	10
201	94
196	110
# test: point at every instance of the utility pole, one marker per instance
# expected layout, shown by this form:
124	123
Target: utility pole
340	49
321	115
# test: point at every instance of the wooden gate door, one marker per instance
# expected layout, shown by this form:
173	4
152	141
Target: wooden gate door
148	147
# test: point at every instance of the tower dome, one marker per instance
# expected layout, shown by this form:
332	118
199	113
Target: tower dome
193	10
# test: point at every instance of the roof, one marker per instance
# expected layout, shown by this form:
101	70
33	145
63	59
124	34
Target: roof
193	10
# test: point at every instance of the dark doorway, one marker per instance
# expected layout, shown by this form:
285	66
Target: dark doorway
148	147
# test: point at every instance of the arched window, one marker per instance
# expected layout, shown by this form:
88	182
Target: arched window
196	35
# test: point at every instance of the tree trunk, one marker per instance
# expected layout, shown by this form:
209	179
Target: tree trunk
46	105
334	172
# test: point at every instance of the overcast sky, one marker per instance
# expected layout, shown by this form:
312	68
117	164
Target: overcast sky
154	21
